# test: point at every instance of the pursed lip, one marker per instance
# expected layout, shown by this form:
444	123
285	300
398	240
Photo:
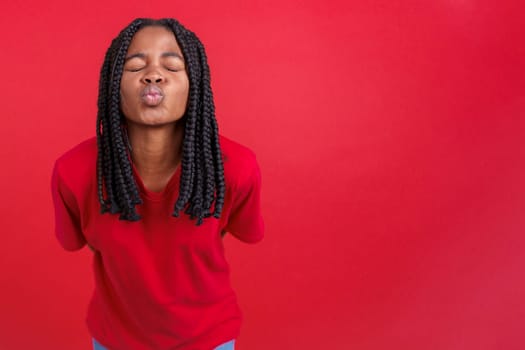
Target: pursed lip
152	90
152	95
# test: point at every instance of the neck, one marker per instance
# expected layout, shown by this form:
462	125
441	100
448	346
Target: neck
155	150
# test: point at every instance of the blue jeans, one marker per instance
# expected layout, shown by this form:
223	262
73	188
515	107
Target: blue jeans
229	345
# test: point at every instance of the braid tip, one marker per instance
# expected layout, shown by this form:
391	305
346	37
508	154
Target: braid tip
114	209
104	209
129	217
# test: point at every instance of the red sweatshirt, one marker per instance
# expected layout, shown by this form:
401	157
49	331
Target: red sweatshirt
162	282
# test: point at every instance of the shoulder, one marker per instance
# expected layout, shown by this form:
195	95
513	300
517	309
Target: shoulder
233	149
239	160
78	164
241	169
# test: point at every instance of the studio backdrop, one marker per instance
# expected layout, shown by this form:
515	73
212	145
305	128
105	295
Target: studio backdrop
390	136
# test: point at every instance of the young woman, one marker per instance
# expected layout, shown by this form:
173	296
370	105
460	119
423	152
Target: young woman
154	193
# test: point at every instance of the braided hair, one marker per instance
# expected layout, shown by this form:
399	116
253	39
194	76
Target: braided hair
202	177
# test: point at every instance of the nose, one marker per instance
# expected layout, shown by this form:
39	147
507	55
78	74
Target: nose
153	77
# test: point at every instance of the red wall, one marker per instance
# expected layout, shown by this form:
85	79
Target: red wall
390	136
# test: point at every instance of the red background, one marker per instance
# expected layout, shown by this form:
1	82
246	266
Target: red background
390	136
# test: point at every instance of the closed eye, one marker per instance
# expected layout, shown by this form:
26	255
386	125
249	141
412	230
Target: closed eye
133	69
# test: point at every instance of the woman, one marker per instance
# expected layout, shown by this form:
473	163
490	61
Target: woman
162	281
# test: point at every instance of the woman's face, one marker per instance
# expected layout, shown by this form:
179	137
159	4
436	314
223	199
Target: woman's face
154	85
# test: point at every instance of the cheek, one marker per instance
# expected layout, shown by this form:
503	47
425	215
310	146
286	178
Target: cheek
184	97
179	93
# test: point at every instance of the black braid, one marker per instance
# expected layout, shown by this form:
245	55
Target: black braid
202	179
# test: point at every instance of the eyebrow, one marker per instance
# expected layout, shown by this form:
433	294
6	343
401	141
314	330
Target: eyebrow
164	54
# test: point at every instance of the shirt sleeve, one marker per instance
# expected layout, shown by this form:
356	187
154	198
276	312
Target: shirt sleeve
245	221
67	214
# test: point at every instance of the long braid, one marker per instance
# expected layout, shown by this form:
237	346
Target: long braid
100	126
126	204
214	166
103	140
191	118
195	207
202	178
116	172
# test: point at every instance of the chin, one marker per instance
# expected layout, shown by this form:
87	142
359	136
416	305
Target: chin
156	121
153	118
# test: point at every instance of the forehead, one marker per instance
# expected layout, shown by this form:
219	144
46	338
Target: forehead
153	38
